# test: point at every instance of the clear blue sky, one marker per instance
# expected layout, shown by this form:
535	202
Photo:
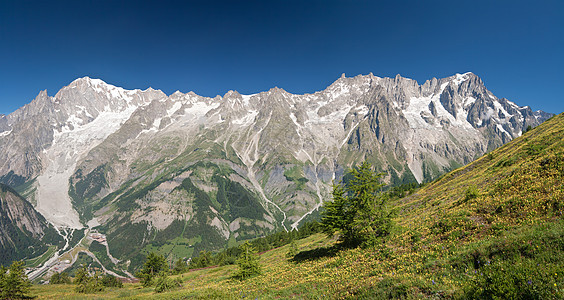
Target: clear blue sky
210	47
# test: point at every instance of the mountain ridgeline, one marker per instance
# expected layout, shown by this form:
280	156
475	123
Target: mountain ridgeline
182	173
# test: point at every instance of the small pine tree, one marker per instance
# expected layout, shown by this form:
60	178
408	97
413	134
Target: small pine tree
248	262
14	283
81	275
204	259
154	264
180	266
358	210
293	249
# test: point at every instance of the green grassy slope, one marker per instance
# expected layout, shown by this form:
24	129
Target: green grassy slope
490	229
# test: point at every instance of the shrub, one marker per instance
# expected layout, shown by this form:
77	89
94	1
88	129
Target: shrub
88	284
111	281
180	266
471	193
81	275
163	283
60	278
204	259
514	280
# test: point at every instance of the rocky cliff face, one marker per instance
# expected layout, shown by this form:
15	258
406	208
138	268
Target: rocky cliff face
149	168
24	233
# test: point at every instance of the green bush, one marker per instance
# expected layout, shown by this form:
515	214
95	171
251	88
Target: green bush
60	278
88	284
180	267
521	279
111	281
164	284
471	193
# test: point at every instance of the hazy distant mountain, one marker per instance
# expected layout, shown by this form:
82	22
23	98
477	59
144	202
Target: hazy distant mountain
156	170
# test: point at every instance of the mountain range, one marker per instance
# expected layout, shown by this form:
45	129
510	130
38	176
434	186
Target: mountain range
183	173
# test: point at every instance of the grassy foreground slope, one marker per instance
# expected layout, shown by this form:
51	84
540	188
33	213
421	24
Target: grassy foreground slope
490	229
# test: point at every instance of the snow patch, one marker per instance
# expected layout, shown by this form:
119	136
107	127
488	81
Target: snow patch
500	127
111	91
500	108
247	120
413	111
459	78
175	107
336	116
246	99
363	110
469	101
199	109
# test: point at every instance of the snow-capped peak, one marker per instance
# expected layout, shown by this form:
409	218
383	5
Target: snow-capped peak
459	78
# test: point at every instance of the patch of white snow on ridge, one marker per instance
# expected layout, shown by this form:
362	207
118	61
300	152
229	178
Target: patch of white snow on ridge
469	101
500	107
336	116
460	78
111	91
417	105
489	113
60	160
295	120
175	107
363	110
247	120
413	112
154	127
500	127
5	133
339	90
443	86
246	99
199	109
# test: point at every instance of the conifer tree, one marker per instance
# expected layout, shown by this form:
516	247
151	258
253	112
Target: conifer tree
358	210
14	283
248	262
292	249
154	264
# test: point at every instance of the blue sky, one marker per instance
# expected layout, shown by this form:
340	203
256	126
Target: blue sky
210	47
